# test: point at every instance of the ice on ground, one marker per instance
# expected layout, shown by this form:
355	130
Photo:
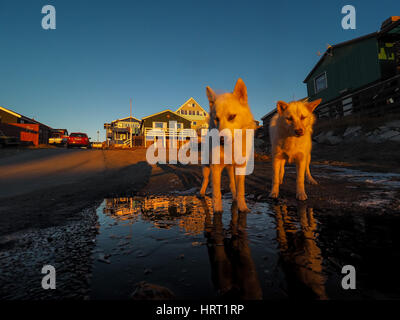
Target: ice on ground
386	180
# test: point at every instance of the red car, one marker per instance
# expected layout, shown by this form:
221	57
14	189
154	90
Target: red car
78	139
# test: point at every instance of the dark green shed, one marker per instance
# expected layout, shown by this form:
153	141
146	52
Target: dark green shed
354	64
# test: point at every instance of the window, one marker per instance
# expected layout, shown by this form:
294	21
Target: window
198	113
78	135
179	126
158	125
194	123
320	83
193	105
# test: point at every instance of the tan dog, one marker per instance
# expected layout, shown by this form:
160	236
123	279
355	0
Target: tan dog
228	111
290	133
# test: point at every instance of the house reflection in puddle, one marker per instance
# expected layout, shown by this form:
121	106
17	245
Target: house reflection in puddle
121	208
297	238
187	212
232	267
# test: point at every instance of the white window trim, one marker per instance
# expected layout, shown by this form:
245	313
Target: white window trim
163	123
315	82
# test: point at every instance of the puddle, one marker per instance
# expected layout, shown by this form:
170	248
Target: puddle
273	252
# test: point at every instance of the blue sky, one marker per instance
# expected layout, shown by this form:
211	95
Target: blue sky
160	53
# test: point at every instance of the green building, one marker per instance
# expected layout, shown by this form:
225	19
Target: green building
346	70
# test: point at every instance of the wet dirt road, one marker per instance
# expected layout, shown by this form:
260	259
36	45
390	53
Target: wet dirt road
47	187
69	207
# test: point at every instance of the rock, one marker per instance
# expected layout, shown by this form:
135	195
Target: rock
395	138
333	140
394	124
148	291
389	134
148	271
328	138
102	258
351	131
374	138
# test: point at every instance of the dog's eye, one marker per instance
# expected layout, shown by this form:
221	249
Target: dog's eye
231	117
289	119
302	117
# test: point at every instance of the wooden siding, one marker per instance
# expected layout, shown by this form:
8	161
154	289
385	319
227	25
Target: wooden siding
350	67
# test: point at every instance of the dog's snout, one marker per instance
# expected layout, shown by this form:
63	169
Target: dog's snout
299	132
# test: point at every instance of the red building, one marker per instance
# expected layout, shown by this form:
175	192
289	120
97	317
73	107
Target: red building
26	130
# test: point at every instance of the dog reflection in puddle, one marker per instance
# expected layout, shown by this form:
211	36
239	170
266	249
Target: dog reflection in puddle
299	249
232	267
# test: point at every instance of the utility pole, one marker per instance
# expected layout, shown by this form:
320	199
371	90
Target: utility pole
130	127
98	136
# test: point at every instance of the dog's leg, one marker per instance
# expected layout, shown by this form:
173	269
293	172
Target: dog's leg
301	169
276	166
282	171
206	175
216	187
241	201
232	182
309	177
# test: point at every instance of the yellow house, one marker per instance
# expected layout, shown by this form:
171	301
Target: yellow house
195	113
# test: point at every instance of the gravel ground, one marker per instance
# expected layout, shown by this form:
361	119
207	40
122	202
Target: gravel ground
68	248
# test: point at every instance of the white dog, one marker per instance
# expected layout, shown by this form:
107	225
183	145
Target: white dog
228	111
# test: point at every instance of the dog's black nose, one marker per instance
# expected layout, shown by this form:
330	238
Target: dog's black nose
299	132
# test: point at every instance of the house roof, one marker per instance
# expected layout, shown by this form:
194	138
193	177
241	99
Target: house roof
11	112
122	119
191	98
385	30
167	110
269	114
23	117
336	46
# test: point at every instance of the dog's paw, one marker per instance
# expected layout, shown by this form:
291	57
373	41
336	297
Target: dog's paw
312	181
301	195
242	206
274	194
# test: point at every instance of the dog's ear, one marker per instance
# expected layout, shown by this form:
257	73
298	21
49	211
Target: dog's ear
281	106
240	91
211	96
312	105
